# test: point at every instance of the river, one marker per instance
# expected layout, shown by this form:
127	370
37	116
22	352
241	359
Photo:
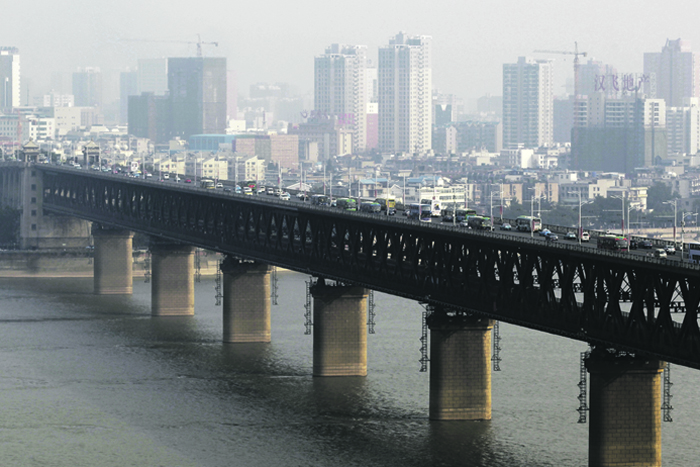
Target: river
91	380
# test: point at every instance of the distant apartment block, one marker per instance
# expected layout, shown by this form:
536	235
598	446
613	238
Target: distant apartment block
152	76
87	87
54	99
9	77
683	128
674	73
477	136
197	88
340	89
405	94
528	103
618	135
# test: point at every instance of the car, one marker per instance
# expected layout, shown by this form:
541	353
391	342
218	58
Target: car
551	237
260	190
177	179
285	196
227	190
670	250
633	244
585	237
646	244
660	253
270	191
303	196
570	236
545	232
188	180
219	185
248	191
277	191
238	189
506	226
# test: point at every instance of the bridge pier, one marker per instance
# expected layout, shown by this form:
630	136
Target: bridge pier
172	281
460	367
340	330
246	301
113	261
625	410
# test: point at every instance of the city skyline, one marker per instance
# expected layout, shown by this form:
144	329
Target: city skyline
470	42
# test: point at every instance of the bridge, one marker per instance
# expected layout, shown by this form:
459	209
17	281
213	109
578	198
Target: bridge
622	305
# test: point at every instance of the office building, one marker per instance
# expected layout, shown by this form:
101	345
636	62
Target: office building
87	87
405	94
683	128
197	87
674	73
340	90
128	86
9	77
152	76
528	103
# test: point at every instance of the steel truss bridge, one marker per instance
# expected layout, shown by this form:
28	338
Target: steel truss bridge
603	298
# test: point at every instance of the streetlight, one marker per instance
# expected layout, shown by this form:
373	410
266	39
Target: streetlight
622	212
580	225
675	217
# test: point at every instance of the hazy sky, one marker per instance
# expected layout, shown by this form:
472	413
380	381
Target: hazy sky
276	40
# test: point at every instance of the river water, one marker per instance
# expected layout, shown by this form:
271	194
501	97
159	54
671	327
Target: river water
91	380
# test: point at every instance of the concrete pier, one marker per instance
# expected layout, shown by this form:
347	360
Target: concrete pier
172	282
113	261
625	410
460	367
340	330
246	301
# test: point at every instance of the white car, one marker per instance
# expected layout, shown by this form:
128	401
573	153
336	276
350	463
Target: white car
285	196
585	237
219	185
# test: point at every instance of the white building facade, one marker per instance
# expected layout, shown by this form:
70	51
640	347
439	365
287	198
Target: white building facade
528	103
405	94
340	89
9	77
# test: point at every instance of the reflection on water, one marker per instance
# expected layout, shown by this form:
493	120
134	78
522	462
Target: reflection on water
95	380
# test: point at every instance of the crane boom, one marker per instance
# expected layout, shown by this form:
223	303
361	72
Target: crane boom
199	43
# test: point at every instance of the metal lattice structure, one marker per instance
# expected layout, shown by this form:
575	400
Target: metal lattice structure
594	296
496	354
583	388
370	312
666	406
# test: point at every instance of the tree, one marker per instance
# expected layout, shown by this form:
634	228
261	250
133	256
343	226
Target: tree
658	194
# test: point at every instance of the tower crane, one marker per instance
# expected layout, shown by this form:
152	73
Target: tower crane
576	55
199	43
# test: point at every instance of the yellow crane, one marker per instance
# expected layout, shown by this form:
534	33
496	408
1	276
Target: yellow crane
199	43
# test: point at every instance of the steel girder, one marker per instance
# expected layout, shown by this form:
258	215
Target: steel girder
601	298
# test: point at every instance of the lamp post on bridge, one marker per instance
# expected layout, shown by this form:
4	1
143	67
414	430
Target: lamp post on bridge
675	217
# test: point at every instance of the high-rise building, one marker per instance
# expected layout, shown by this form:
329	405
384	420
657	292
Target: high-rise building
528	103
197	87
153	76
9	77
683	128
618	135
87	87
340	90
405	94
128	86
674	74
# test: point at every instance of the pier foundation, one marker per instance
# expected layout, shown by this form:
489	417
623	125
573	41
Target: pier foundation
625	410
172	282
460	367
113	261
339	330
246	301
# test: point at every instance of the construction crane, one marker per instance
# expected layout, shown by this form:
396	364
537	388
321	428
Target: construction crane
576	55
199	43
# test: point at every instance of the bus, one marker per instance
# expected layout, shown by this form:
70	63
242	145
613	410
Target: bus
434	206
387	203
349	204
370	207
527	223
479	223
320	200
419	211
206	183
613	243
